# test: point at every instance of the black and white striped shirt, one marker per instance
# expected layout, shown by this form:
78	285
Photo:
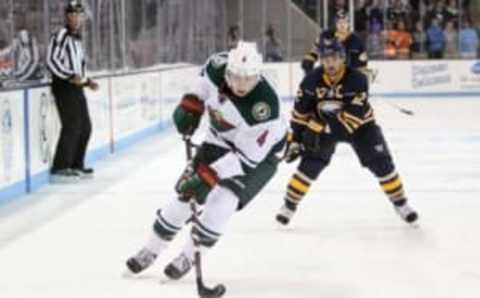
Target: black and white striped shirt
65	56
25	55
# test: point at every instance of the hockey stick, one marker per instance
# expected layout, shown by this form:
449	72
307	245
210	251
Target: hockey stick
398	108
204	292
372	76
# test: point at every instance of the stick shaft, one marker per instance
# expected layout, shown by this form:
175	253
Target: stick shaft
193	206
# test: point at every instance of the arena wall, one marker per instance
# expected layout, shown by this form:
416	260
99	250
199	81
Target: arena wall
130	107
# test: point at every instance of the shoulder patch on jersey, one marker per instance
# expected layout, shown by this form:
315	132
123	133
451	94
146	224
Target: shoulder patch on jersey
261	111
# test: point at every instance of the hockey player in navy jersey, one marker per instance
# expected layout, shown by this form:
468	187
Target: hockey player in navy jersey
332	106
356	55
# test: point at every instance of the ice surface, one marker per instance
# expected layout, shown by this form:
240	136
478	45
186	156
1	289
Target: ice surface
345	241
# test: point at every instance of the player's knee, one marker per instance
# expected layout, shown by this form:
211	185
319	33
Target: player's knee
220	206
164	229
205	236
381	167
312	167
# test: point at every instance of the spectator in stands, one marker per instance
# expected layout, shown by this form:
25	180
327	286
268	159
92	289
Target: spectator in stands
375	15
451	12
398	41
273	46
418	36
390	34
435	40
403	41
233	36
6	63
338	5
436	11
451	40
375	42
469	41
25	53
361	20
416	13
416	4
398	10
478	35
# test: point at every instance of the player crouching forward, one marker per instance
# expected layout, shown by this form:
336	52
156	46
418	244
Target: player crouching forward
233	164
332	106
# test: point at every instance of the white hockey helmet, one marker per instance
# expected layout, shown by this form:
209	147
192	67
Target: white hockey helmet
243	68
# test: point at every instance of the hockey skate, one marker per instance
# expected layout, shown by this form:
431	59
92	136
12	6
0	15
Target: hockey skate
407	213
178	268
286	213
141	261
65	176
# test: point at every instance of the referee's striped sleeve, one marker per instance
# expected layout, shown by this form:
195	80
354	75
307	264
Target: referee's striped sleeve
56	50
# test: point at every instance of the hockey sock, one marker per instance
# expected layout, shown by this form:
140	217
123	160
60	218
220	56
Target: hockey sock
220	206
296	190
171	219
393	187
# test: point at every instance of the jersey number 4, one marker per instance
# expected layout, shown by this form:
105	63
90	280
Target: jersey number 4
262	138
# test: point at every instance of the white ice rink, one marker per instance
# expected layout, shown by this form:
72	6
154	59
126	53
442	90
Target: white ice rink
345	241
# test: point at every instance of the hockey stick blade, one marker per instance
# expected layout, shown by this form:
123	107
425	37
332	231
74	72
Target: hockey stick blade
407	112
216	292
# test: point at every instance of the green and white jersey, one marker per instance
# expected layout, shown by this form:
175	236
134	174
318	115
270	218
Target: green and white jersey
249	126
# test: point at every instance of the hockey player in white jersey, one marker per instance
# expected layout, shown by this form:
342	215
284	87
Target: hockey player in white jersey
236	160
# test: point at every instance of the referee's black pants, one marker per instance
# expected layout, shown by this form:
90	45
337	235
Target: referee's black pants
76	125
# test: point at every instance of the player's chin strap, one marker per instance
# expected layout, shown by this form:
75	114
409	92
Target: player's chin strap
204	292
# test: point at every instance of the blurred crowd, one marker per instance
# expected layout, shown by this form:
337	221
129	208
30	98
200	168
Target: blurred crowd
417	29
409	29
118	35
152	32
19	58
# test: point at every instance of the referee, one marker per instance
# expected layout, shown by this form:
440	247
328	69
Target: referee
66	62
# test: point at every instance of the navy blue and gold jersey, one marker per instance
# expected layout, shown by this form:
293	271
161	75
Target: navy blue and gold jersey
356	55
342	103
